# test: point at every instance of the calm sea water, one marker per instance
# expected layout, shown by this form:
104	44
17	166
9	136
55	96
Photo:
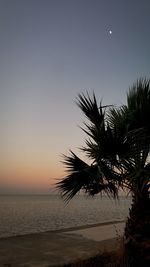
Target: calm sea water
31	214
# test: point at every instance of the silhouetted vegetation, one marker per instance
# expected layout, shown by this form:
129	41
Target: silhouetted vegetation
106	259
118	145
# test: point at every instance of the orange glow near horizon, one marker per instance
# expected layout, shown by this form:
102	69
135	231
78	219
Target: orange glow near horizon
32	158
32	173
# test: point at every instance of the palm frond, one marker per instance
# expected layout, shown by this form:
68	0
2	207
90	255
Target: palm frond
77	177
118	145
73	163
80	175
90	108
109	189
117	117
138	103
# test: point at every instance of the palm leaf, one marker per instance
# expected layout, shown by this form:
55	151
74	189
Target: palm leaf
138	102
90	108
83	176
118	145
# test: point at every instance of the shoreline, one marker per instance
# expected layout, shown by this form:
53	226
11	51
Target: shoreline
87	226
55	248
68	229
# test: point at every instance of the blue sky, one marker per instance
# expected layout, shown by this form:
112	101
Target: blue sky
50	51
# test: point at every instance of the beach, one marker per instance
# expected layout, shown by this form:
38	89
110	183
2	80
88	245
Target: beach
53	248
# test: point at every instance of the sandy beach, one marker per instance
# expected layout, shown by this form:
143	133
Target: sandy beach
59	247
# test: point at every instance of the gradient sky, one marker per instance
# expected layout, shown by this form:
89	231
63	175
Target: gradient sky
51	50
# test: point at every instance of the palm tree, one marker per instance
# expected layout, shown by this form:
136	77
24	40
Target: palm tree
118	146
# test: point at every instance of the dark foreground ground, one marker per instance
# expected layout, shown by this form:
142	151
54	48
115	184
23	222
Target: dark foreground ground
59	247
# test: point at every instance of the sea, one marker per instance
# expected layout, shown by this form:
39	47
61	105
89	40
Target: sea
24	214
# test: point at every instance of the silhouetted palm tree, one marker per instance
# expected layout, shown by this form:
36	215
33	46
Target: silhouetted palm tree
118	145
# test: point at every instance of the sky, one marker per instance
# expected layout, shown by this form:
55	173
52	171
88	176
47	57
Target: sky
50	51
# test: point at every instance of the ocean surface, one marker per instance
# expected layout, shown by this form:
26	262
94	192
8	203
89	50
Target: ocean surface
39	213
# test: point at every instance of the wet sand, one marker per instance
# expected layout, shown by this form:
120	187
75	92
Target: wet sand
59	247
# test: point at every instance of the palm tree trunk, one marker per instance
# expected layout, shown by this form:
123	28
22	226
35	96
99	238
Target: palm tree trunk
137	231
